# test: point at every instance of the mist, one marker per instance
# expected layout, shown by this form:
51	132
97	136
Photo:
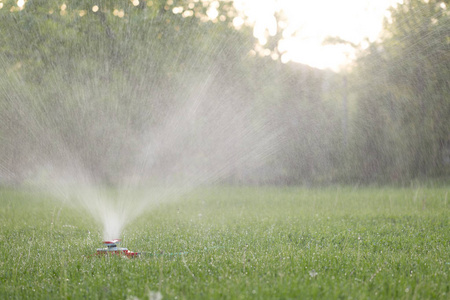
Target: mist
119	114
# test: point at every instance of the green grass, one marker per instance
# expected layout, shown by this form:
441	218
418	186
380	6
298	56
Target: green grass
241	243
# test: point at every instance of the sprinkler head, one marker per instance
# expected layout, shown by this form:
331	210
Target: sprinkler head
112	249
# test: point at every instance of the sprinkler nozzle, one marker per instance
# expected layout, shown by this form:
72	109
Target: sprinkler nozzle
112	249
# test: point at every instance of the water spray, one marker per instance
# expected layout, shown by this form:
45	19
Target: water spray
112	249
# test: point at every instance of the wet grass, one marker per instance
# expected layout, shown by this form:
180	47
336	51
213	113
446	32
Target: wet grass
236	243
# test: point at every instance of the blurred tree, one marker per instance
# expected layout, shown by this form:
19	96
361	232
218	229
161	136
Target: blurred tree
110	71
403	92
127	62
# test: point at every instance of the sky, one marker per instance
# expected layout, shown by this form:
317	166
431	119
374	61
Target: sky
310	22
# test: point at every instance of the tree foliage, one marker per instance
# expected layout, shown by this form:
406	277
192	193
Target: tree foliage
80	73
404	94
100	74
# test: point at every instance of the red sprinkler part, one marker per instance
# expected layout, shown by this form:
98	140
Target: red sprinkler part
112	249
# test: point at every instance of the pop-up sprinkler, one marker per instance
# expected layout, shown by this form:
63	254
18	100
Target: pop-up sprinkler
112	249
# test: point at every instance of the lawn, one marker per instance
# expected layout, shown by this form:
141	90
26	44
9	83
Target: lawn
236	243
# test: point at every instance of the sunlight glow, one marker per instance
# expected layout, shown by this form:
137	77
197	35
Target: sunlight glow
187	13
212	11
63	11
177	10
307	24
21	4
238	22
